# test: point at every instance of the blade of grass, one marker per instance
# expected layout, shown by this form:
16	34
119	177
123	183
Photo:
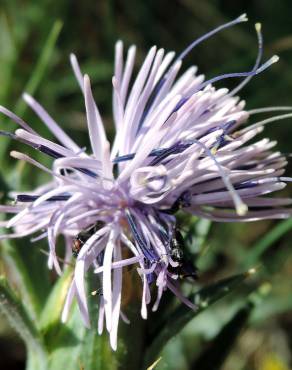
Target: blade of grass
41	66
216	354
183	314
267	241
36	77
8	55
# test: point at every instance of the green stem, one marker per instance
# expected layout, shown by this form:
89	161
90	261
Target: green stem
41	65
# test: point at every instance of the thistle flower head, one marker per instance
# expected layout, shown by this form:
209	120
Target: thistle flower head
180	144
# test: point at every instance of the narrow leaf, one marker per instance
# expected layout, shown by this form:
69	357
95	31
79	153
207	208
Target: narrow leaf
215	355
18	269
8	54
183	314
51	313
41	65
71	345
267	241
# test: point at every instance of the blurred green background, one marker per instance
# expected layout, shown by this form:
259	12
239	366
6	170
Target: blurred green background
36	38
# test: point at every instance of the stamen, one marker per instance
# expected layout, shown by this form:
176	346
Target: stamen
8	134
26	158
45	150
285	179
139	238
50	123
17	120
251	73
253	183
240	19
182	55
176	148
258	28
31	198
268	109
266	121
241	208
263	67
40	147
77	71
124	158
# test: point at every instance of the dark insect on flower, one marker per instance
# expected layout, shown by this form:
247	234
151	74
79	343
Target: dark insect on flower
185	268
81	238
177	245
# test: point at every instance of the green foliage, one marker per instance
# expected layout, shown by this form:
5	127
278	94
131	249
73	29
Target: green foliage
215	354
183	314
15	311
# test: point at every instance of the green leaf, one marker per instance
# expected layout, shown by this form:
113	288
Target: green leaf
201	231
218	350
19	319
29	281
267	241
215	355
96	352
183	314
64	341
72	345
51	313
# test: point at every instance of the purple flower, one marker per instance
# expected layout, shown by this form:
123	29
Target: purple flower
179	144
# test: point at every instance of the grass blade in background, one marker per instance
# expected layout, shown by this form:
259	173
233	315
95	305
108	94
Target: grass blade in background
256	252
36	77
183	314
41	66
8	55
215	355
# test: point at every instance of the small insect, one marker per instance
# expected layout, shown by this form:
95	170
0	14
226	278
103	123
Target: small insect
185	268
81	238
177	245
